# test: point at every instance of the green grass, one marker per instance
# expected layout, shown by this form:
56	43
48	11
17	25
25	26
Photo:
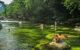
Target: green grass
76	48
47	35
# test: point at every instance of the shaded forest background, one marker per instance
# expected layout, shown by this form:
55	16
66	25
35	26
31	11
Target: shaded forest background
64	12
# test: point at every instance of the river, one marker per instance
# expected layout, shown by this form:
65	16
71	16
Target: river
7	40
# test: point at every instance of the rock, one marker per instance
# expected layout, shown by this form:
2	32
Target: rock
56	47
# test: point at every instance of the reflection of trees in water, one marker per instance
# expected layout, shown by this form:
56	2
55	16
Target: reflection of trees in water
0	26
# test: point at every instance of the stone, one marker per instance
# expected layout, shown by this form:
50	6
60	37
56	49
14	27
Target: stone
55	46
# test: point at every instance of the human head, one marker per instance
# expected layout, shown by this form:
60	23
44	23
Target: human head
60	33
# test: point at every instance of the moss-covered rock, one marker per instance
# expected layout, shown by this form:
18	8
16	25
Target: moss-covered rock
54	47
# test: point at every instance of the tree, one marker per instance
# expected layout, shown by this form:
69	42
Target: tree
74	10
43	11
18	10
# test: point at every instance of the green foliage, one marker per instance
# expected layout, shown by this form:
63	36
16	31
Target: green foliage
45	11
72	5
17	10
35	39
26	33
76	48
41	44
49	36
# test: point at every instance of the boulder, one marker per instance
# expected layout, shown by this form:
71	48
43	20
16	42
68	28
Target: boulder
56	47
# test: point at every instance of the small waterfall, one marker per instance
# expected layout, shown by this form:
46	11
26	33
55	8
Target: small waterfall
7	41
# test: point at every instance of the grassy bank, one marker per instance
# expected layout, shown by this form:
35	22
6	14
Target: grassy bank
76	48
35	37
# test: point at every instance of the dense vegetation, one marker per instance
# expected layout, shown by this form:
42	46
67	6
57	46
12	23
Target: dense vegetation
46	12
33	38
